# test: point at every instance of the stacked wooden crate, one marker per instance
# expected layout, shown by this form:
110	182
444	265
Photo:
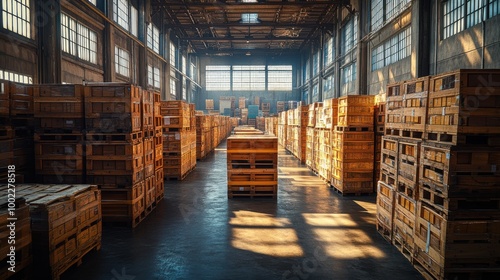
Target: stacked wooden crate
319	127
59	138
16	131
290	129
149	142
458	210
115	150
179	140
271	125
244	116
353	152
282	128
380	100
439	159
266	108
19	254
280	106
209	104
158	147
311	122
242	102
325	144
261	123
252	165
66	224
201	141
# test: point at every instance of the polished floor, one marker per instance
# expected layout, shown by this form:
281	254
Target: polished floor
310	232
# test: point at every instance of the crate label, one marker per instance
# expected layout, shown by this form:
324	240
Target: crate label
242	188
493	168
69	122
166	120
2	88
177	136
448	156
443	111
413	113
68	150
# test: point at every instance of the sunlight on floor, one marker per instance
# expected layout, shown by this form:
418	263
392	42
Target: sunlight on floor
264	234
344	243
368	206
329	220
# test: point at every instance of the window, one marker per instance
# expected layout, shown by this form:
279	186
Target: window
328	84
120	13
83	45
393	50
122	61
328	52
153	38
348	75
249	77
184	64
315	93
184	91
453	16
305	72
461	14
94	2
279	77
377	14
134	21
173	85
383	11
15	77
250	18
316	63
172	55
218	77
153	76
16	16
349	35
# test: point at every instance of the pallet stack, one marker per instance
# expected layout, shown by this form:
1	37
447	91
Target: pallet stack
300	132
261	123
330	108
150	143
379	133
23	245
311	122
444	147
282	128
158	147
318	140
242	103
115	150
209	104
353	152
266	108
244	116
252	165
202	126
280	106
272	125
59	138
66	224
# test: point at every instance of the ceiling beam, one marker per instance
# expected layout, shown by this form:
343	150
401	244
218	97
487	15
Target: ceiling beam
238	24
242	39
247	5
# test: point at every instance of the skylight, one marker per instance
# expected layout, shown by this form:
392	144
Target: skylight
250	18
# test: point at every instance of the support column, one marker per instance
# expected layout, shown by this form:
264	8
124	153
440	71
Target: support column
48	20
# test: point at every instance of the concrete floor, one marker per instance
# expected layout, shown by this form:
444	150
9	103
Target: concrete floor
310	232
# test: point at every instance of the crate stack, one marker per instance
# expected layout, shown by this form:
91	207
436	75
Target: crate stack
23	245
330	108
311	122
179	140
244	116
158	147
280	106
16	131
202	126
353	145
439	158
282	128
261	123
215	130
242	103
149	149
115	150
458	208
59	138
300	134
209	104
252	165
253	112
290	135
66	224
319	127
266	108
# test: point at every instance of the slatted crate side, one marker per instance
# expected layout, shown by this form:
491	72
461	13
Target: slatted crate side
129	212
21	99
112	99
404	224
353	187
386	191
477	79
109	149
385	213
114	123
347	136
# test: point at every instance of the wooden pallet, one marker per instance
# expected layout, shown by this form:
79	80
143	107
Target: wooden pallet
133	137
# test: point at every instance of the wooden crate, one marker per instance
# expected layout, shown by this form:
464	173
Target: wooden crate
463	102
4	98
459	171
21	99
404	224
65	222
385	210
59	125
53	101
356	110
114	178
408	167
134	137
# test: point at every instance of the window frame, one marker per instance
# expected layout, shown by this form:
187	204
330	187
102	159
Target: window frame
18	22
85	50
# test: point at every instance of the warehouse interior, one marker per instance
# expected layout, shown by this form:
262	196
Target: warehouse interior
222	139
